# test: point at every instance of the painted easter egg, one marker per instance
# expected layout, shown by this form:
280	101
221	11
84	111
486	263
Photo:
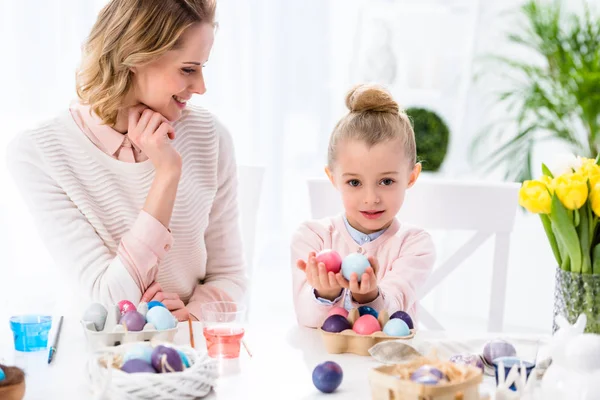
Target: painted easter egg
136	366
467	359
498	348
97	314
404	317
366	325
335	324
338	311
427	375
166	359
354	262
396	327
161	318
2	375
331	259
133	321
126	306
140	351
363	310
184	359
327	376
155	303
142	308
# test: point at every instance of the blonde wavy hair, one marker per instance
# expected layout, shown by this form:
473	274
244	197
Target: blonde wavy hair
131	33
374	117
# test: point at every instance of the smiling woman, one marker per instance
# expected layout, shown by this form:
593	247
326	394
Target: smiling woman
133	190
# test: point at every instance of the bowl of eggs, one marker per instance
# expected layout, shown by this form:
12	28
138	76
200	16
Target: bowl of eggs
124	322
426	378
362	328
155	370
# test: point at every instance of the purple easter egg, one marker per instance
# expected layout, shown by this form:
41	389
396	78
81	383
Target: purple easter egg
166	359
498	348
327	376
336	323
427	375
136	365
133	320
467	359
404	317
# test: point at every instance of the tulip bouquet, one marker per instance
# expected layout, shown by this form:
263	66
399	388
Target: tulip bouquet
568	203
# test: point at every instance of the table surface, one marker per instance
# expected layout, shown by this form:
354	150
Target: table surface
283	357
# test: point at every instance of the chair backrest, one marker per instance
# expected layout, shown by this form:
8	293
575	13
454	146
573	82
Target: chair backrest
250	180
488	208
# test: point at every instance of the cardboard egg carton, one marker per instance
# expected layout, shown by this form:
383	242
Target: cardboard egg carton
386	384
348	341
108	337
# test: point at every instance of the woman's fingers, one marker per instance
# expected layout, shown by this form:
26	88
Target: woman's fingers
152	290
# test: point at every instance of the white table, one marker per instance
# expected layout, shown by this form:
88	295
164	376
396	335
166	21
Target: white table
284	356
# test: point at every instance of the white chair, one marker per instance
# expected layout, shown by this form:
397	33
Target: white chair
488	208
250	180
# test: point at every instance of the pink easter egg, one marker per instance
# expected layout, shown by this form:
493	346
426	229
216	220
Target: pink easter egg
338	311
366	325
331	259
125	306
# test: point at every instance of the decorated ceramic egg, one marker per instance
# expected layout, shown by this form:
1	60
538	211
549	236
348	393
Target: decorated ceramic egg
335	324
97	314
155	303
366	325
166	359
327	376
133	321
468	359
125	306
363	310
338	311
404	317
396	327
498	348
427	375
354	262
139	351
142	308
136	365
331	259
161	318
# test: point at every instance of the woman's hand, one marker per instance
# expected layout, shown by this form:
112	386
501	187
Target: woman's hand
325	283
152	132
170	300
366	291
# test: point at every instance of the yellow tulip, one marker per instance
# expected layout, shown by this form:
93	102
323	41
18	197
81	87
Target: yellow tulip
572	190
549	182
591	170
595	199
534	197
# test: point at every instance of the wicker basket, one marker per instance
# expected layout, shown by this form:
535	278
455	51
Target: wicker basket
109	382
386	385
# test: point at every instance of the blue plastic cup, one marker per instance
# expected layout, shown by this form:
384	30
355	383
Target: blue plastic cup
30	332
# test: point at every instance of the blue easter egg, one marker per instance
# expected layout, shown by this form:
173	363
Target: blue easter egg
363	310
184	358
155	303
140	352
161	318
327	376
396	327
2	375
354	262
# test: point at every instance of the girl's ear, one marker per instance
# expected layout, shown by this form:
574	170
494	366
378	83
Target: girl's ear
330	175
414	174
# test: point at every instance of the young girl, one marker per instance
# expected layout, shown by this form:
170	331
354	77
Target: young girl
372	161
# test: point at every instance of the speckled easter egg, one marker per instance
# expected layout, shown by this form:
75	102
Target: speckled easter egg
366	325
498	348
468	359
133	321
136	366
338	311
161	318
364	310
404	317
354	262
140	351
396	327
166	359
336	324
97	314
126	306
155	303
